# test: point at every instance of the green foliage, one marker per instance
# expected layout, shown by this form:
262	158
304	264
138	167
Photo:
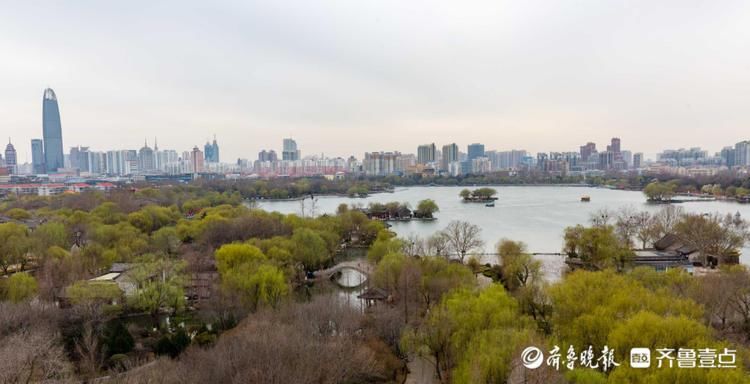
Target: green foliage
50	234
18	214
87	292
232	256
384	244
426	208
596	247
159	285
14	244
519	268
20	287
246	272
108	213
658	191
588	306
473	334
310	249
479	194
116	338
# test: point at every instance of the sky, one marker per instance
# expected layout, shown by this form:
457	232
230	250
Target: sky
347	76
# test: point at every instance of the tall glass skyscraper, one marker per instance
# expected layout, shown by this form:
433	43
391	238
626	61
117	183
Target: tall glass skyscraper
52	132
37	155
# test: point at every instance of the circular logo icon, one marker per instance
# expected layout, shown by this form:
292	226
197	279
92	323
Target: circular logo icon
532	357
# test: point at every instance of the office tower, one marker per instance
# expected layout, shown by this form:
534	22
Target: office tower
97	162
146	162
79	158
728	156
196	160
627	158
606	160
37	156
742	153
450	155
52	132
614	146
11	159
637	160
267	156
115	163
215	151
474	151
426	153
587	150
381	163
211	151
290	151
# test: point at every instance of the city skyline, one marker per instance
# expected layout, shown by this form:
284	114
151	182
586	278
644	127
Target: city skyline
510	75
48	157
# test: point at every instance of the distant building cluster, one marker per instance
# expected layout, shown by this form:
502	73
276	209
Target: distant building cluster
49	162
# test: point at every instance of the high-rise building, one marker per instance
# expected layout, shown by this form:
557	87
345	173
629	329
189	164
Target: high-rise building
37	156
380	163
115	163
474	151
268	156
79	158
196	160
146	160
728	156
211	151
290	151
683	157
426	153
627	158
450	155
509	159
742	153
215	152
606	160
587	150
637	160
11	160
615	145
52	132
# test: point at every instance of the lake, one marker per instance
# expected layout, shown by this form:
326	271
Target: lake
536	215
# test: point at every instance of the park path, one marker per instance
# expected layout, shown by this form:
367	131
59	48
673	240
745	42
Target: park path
421	371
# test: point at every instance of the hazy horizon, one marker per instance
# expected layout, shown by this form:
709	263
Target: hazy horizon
343	78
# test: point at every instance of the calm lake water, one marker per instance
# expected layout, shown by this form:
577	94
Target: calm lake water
536	215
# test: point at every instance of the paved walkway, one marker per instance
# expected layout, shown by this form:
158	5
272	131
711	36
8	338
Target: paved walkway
421	371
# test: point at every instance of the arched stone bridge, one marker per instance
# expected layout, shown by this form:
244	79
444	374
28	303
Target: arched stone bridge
360	266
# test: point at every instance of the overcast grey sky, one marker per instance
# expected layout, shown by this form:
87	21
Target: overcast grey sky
348	76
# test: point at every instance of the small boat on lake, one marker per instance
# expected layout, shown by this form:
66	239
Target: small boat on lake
585	199
492	204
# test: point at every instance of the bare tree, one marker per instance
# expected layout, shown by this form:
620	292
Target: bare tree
463	237
644	228
438	244
626	225
414	246
664	221
30	347
713	235
601	218
89	351
312	343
